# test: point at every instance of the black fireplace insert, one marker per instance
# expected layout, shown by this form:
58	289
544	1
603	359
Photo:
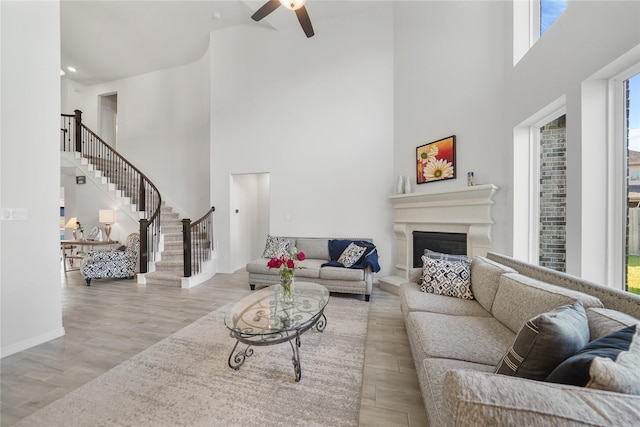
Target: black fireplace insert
448	243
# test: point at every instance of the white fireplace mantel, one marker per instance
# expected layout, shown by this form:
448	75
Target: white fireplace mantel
462	210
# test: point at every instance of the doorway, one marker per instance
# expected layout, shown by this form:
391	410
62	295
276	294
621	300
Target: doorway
109	119
249	199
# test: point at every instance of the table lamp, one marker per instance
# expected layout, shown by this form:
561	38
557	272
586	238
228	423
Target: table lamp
72	224
107	217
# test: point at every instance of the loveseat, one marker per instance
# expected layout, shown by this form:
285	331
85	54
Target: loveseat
514	326
320	264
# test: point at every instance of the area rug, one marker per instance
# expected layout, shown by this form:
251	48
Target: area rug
185	380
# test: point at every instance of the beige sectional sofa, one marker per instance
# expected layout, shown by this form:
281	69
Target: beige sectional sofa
458	343
316	250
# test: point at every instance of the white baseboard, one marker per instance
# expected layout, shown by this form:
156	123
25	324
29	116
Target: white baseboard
32	342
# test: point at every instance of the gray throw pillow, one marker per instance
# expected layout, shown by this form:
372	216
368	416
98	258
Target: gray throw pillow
545	341
608	363
447	257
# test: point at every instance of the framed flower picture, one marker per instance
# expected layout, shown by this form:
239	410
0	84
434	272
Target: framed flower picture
436	161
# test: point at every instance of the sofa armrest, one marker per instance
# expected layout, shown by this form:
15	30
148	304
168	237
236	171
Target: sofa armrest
487	399
414	275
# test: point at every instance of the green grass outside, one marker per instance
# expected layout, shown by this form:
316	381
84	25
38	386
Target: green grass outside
633	274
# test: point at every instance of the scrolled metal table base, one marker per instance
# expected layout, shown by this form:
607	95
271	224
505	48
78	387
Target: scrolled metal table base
237	359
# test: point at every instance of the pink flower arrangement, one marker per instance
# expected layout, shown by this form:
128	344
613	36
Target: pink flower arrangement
288	260
287	265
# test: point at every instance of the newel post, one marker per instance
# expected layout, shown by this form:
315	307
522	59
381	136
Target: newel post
144	245
78	130
141	195
186	246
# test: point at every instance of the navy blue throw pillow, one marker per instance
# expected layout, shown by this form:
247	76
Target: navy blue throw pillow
576	369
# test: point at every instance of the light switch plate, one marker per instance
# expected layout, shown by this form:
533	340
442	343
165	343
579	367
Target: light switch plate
14	214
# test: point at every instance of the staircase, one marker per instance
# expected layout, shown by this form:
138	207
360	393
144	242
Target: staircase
168	264
169	270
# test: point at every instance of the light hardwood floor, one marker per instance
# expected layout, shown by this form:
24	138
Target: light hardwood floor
113	320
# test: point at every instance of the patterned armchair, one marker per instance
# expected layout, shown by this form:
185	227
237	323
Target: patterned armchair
119	264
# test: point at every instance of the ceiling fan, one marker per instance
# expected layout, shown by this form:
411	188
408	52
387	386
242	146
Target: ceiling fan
295	5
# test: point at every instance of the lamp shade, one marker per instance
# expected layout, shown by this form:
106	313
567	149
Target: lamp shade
106	216
72	223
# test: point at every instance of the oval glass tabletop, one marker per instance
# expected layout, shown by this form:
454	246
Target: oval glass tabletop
264	313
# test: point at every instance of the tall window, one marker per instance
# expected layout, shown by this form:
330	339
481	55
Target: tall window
531	19
552	203
632	125
550	10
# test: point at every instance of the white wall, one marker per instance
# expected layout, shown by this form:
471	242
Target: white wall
449	60
30	128
72	94
317	114
163	129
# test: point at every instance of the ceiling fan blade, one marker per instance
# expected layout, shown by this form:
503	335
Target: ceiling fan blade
266	9
305	21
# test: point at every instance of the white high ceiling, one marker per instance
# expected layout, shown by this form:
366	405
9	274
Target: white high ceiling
107	40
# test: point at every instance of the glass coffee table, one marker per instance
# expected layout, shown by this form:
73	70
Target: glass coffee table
262	319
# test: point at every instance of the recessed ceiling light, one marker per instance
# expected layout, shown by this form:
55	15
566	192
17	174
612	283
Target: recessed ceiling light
62	73
217	15
73	70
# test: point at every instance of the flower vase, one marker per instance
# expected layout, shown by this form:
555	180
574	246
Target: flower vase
286	281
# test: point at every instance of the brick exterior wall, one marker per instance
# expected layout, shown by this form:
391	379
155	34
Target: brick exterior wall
553	191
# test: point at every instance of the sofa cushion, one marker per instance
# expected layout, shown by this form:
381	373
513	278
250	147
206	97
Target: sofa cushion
608	363
545	341
520	298
276	247
473	398
450	278
309	268
412	299
481	340
314	248
432	374
603	321
341	273
351	254
485	277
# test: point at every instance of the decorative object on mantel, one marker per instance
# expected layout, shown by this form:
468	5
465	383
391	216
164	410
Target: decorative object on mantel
436	161
287	265
400	185
470	179
407	185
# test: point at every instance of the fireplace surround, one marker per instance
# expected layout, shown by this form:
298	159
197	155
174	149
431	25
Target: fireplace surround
466	210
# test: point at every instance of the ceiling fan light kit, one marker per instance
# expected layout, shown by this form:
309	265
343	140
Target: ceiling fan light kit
296	5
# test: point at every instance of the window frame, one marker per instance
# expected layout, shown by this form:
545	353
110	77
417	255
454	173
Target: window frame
618	173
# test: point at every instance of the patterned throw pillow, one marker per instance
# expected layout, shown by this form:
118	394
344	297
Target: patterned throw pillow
275	247
450	278
351	255
545	341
